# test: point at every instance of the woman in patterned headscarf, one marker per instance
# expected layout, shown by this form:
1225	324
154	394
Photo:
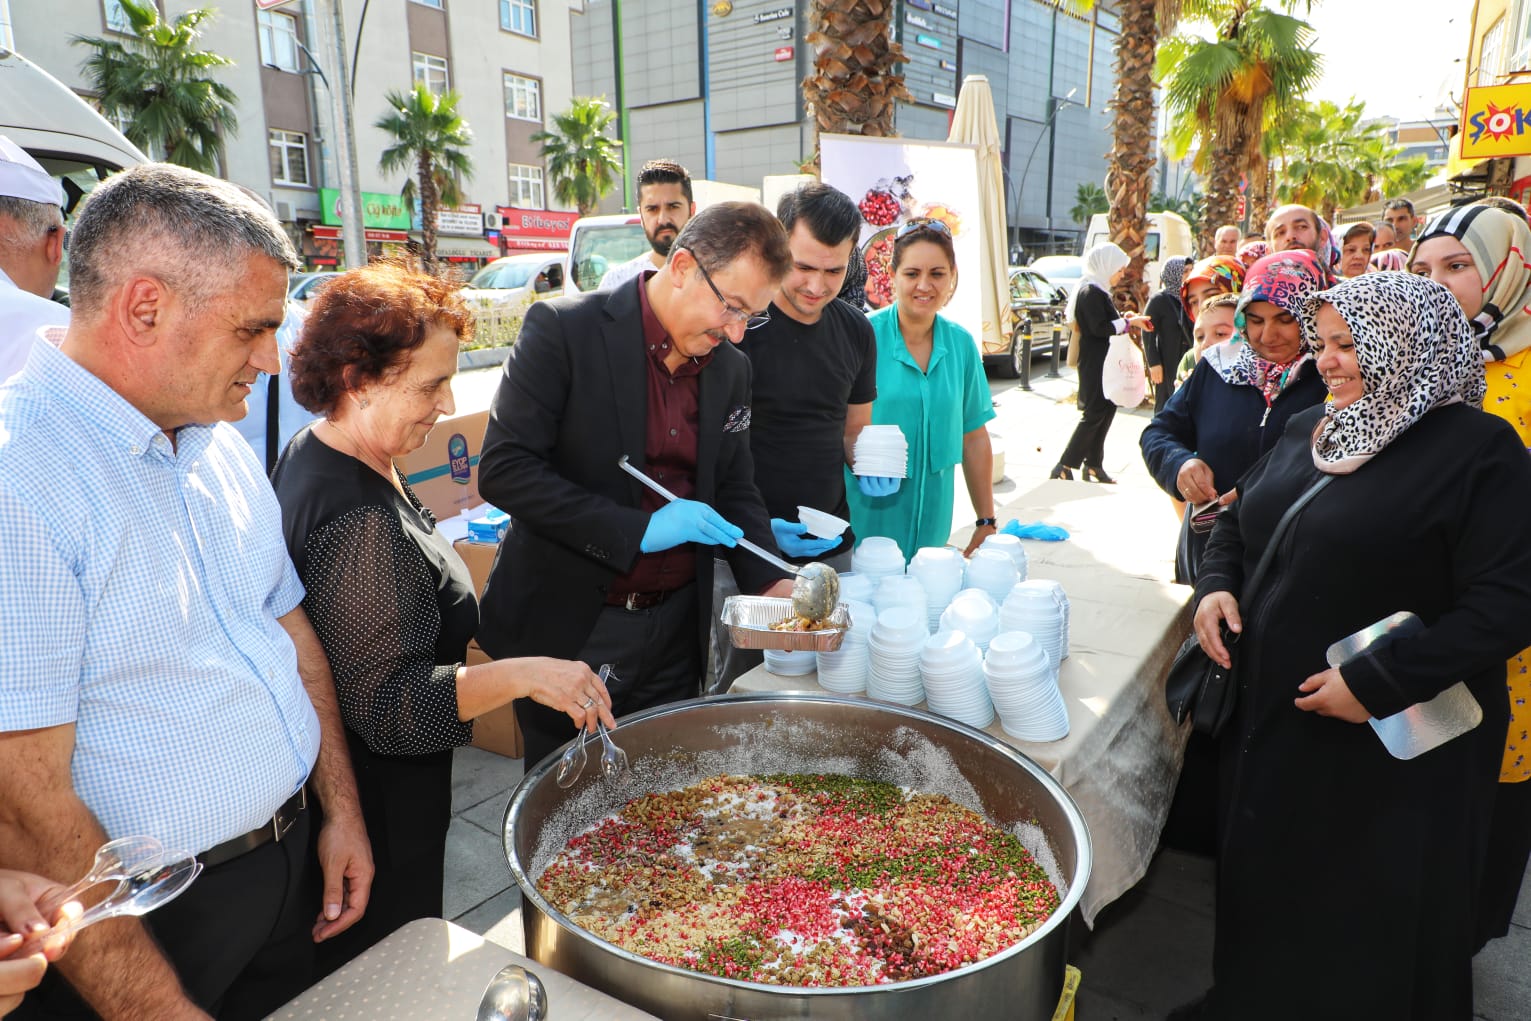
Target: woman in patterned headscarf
1217	274
1168	337
1480	254
1331	849
1251	252
1237	400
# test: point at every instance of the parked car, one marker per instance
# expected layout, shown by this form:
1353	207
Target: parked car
1063	270
597	243
1036	313
508	281
302	288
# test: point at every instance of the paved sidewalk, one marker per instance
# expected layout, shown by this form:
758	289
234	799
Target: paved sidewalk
1150	951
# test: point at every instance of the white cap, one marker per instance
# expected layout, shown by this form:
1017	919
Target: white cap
22	177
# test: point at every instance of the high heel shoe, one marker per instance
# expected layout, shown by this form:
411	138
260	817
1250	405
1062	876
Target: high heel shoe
1097	475
1062	471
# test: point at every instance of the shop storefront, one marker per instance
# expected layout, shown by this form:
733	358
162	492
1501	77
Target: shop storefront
533	230
387	225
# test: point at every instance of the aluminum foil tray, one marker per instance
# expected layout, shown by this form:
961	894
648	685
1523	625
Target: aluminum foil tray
749	620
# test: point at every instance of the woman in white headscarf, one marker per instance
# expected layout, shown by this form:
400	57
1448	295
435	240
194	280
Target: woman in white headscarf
1096	321
1338	863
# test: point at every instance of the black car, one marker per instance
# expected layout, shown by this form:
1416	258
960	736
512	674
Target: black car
1036	311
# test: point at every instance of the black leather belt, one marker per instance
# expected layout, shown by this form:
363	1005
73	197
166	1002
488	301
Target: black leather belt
638	600
276	829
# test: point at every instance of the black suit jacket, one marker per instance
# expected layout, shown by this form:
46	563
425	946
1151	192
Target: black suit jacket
572	401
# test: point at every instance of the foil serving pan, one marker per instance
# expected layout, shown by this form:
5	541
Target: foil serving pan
749	620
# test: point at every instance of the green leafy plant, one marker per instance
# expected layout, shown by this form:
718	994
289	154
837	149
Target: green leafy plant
431	138
583	163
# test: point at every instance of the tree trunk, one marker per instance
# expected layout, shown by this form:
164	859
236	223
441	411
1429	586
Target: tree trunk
855	81
428	202
1259	194
1228	157
1130	163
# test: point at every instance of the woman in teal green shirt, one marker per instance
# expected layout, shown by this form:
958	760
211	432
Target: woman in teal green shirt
930	383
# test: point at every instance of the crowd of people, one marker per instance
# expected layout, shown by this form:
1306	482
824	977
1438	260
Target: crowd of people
269	670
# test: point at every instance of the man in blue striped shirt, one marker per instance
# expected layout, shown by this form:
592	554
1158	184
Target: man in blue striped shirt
158	674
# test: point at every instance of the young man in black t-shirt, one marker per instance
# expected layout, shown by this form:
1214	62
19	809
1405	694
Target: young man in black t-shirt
815	375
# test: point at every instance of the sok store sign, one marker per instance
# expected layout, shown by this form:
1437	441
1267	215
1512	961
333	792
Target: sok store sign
1496	121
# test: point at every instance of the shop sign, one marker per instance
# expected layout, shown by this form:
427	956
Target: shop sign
943	9
916	19
784	31
947	65
466	220
379	209
780	14
722	9
944	99
928	40
369	234
923	5
782	53
535	223
1496	121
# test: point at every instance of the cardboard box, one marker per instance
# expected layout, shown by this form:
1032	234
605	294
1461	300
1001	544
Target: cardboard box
444	472
495	731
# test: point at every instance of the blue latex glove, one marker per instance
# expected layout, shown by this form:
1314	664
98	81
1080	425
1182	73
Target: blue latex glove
792	538
878	485
687	521
1035	530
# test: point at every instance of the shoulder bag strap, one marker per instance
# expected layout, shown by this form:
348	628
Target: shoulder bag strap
1275	540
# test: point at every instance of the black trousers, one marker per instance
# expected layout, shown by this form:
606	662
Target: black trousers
1504	868
1163	391
240	937
654	654
1088	444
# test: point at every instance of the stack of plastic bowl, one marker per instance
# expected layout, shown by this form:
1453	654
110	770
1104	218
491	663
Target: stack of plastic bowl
856	588
1024	688
939	570
1032	607
876	557
786	663
952	670
1061	598
821	523
1012	546
881	450
845	671
901	590
993	571
974	614
893	669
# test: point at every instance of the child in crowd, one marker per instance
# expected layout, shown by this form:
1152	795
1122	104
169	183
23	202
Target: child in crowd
1214	325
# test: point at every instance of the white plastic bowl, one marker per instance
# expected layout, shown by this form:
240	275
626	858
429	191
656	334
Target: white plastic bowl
821	524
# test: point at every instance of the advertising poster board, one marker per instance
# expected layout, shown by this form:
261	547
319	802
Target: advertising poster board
895	180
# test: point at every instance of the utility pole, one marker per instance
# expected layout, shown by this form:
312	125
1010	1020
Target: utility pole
352	228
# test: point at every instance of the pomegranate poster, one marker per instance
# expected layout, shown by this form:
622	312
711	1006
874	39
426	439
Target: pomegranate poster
896	180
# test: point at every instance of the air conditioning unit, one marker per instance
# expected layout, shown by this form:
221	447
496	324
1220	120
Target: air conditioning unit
284	211
493	221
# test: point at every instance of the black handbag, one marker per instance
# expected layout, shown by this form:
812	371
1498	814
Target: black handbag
1196	686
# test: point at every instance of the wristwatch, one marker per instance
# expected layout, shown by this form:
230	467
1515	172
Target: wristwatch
983	521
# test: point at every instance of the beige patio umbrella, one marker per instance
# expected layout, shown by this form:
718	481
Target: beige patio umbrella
973	123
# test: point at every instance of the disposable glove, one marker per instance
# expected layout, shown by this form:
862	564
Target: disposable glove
687	521
792	538
1035	530
878	485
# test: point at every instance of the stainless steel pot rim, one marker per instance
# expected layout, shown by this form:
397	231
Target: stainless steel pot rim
1081	833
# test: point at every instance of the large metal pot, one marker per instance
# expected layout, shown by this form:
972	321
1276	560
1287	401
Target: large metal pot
675	745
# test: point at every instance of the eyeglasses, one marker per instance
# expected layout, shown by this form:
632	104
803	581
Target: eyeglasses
939	226
734	315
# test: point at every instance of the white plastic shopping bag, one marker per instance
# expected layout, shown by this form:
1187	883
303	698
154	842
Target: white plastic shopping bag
1123	378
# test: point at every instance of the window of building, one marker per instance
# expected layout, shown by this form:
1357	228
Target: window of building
278	40
429	3
289	157
1491	54
116	17
523	98
525	186
432	72
519	16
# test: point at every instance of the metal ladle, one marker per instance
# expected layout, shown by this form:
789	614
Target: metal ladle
815	586
514	994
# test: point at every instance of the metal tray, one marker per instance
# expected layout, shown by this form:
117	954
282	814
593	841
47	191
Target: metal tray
749	620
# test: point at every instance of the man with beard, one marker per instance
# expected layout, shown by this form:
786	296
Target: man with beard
596	567
665	205
815	376
1399	214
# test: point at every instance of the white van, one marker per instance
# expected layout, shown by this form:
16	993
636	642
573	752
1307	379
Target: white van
1168	234
597	243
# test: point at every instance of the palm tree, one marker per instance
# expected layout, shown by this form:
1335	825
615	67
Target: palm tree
1221	91
431	137
584	163
855	81
156	83
1332	159
1089	199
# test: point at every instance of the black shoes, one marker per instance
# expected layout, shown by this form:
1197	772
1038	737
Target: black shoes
1062	471
1097	475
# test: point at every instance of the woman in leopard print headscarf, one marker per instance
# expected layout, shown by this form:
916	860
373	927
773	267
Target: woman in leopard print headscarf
1328	842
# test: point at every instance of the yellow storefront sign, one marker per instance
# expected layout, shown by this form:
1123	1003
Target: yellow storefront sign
1496	121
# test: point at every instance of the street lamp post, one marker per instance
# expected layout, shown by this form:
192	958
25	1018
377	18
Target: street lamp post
352	229
1057	104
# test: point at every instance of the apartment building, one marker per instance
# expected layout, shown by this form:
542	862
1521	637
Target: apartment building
717	86
509	60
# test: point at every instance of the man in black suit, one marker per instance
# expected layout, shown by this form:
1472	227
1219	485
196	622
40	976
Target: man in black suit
597	567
